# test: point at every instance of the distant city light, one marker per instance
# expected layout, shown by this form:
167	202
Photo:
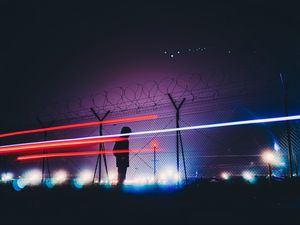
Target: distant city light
276	147
272	158
143	180
225	175
7	177
84	177
269	157
112	178
59	177
248	176
169	176
31	178
154	144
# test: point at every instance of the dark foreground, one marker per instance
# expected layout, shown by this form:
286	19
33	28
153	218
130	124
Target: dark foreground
198	203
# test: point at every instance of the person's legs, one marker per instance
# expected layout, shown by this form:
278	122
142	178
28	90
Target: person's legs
124	173
121	174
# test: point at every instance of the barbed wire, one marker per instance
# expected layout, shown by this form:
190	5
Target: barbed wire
221	94
152	96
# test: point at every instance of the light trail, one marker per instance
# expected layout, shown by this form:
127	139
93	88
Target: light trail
206	126
56	144
70	154
79	125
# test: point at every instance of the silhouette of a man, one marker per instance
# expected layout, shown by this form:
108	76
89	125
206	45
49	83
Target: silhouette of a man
122	159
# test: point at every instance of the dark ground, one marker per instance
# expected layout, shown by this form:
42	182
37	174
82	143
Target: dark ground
198	203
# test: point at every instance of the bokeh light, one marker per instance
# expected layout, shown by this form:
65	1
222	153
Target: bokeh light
84	177
59	177
32	177
7	177
272	158
225	175
248	176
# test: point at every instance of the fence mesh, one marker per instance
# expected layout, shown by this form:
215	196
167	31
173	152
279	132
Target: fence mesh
208	152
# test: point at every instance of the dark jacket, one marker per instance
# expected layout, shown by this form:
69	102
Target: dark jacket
122	159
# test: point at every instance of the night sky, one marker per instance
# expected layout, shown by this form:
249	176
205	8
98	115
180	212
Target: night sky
55	50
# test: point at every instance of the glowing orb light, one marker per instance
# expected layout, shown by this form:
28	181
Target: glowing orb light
59	177
84	177
269	157
225	175
111	179
248	176
169	176
18	185
31	178
7	177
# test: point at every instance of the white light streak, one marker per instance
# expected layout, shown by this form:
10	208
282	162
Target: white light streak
161	131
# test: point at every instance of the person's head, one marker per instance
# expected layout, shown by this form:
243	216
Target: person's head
126	130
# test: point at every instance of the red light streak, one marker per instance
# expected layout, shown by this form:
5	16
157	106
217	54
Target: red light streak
68	154
56	144
79	125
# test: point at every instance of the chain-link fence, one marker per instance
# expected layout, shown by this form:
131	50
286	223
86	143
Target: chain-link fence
207	152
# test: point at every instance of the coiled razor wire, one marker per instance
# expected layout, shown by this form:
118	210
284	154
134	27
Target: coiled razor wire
207	152
152	95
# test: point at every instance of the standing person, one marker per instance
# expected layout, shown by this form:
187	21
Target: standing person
122	159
